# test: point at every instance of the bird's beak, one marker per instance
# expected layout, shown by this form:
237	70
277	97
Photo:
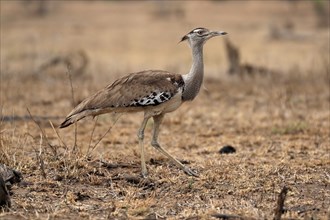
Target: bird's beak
183	38
218	33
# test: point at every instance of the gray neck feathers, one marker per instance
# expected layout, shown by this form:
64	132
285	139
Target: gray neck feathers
194	79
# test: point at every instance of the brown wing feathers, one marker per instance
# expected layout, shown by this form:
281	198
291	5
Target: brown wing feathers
134	90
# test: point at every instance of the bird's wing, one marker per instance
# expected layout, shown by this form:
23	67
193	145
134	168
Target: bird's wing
151	87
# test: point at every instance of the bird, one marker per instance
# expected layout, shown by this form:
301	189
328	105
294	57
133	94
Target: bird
154	92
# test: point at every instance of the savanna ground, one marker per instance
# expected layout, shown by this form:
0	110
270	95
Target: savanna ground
278	123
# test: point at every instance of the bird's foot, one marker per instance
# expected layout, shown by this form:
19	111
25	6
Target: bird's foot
189	172
144	174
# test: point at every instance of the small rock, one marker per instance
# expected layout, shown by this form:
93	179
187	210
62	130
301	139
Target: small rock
81	197
227	150
4	195
10	176
58	177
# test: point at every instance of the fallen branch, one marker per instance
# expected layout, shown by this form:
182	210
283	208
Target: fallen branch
280	203
243	69
226	217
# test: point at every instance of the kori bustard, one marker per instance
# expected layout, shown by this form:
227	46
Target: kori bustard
155	92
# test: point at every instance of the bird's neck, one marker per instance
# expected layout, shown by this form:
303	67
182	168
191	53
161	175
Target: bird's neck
194	79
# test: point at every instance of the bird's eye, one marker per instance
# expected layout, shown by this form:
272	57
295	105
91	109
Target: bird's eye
200	32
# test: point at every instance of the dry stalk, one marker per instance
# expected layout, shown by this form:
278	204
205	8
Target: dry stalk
109	129
71	86
91	138
73	104
58	135
43	133
4	158
39	156
41	160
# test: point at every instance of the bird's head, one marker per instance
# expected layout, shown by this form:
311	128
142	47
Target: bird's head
201	35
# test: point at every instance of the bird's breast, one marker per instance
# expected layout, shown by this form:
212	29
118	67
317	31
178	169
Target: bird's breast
168	106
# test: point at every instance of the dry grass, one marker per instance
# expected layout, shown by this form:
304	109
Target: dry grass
279	125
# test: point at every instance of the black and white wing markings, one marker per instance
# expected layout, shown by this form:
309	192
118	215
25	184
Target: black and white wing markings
153	99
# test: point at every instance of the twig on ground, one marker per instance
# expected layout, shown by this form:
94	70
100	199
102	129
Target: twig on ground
226	217
280	203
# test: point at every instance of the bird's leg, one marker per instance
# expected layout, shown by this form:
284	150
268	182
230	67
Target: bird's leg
157	121
141	137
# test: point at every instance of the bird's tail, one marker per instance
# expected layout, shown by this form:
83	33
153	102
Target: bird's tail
73	118
70	120
91	106
67	122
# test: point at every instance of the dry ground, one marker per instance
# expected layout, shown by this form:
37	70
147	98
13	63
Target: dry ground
279	124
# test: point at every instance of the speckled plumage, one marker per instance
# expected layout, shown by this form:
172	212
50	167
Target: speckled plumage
155	92
131	93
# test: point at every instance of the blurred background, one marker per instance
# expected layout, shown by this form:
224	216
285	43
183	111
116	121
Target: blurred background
41	41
